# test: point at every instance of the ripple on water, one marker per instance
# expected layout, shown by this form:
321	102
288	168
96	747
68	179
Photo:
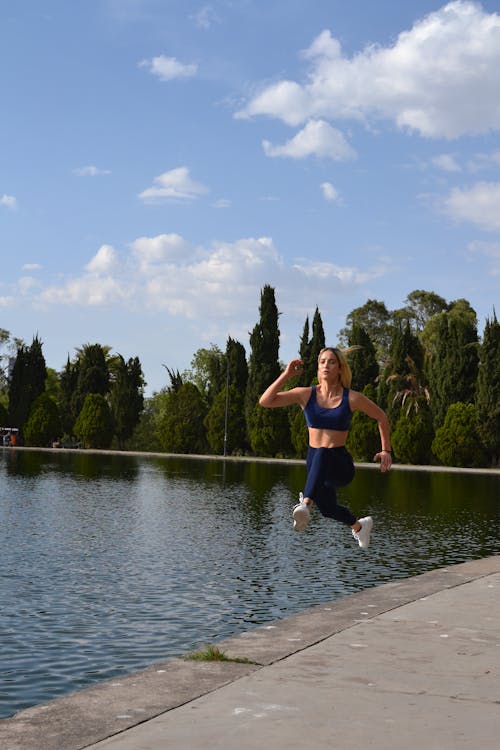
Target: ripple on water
110	565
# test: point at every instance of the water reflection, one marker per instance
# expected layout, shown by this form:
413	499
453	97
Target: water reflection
110	563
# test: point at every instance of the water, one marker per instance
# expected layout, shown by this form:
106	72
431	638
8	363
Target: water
110	563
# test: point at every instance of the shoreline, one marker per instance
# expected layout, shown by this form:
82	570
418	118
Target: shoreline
247	459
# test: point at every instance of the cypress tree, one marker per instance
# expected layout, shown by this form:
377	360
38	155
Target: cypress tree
362	361
453	365
488	390
93	375
126	397
267	429
27	382
68	380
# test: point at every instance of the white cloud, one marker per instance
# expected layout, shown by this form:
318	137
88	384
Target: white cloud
8	201
447	163
175	184
89	290
317	138
217	284
485	161
104	261
32	267
150	252
26	284
168	68
440	78
490	250
90	171
206	17
221	203
478	204
329	192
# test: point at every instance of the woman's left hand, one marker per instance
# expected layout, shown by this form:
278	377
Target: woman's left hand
385	459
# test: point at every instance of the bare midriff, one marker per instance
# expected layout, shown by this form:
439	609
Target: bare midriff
320	438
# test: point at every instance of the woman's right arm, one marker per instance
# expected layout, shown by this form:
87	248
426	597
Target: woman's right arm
273	396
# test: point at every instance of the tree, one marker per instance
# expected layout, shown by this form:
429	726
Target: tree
420	307
305	353
208	372
268	430
27	382
403	369
363	359
68	380
94	424
488	390
181	427
215	422
237	365
456	442
413	434
363	440
126	397
44	423
93	374
453	361
315	345
374	317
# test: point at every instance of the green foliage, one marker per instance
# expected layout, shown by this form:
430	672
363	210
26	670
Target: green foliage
216	419
4	416
488	390
362	361
413	434
299	433
237	365
263	366
68	379
456	442
94	424
27	382
44	423
93	374
208	372
146	433
420	307
453	364
126	397
270	432
181	427
309	349
363	441
375	318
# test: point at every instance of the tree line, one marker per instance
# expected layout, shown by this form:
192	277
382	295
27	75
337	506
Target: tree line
424	364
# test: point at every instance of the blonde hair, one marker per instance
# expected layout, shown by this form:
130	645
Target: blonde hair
345	370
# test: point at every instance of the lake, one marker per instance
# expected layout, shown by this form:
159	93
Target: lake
112	562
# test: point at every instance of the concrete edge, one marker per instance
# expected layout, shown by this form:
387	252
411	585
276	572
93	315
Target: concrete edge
95	713
248	459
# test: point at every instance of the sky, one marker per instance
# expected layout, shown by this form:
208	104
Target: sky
163	160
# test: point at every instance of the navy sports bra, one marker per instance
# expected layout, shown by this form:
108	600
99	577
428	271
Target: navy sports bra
338	418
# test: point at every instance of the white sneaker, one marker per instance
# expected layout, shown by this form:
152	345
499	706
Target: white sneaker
363	535
301	515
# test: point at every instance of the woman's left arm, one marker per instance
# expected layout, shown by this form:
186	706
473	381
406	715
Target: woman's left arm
364	404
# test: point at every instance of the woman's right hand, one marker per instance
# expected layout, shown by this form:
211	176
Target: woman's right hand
294	367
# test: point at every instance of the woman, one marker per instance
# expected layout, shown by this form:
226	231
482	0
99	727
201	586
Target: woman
328	409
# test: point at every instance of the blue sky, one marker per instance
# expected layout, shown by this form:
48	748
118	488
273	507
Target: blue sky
162	160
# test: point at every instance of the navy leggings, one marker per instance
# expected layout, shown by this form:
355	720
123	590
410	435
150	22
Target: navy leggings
327	469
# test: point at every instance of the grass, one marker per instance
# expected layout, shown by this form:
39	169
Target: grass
212	653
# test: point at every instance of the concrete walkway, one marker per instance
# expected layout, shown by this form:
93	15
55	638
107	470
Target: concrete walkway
410	665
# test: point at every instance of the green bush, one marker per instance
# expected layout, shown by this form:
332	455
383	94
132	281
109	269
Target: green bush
44	422
94	424
412	436
457	442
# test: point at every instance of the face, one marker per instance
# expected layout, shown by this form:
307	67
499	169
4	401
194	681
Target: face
328	364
